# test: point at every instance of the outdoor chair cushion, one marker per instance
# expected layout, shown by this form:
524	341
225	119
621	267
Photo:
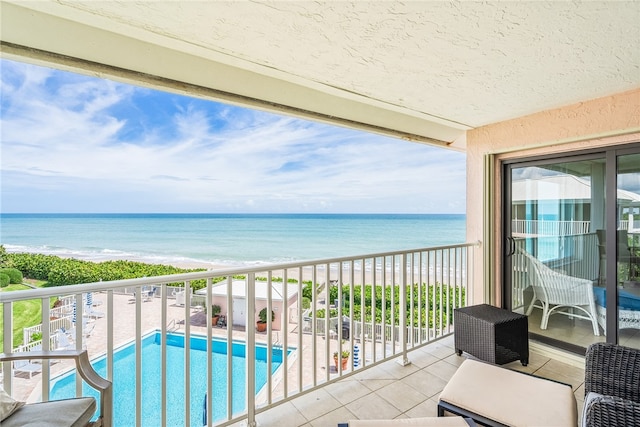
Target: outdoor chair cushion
56	413
626	300
413	422
509	397
8	405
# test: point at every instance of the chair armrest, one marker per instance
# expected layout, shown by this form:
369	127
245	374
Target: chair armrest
84	369
611	411
613	370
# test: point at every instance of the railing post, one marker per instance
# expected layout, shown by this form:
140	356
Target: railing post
251	350
7	345
45	332
187	353
209	314
402	321
138	355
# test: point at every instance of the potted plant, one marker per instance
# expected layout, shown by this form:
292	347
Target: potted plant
344	358
261	324
215	314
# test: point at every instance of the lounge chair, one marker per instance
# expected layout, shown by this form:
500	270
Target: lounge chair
148	294
91	313
25	366
67	412
87	328
63	342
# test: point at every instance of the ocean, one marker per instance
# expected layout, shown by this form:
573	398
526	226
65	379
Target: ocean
224	239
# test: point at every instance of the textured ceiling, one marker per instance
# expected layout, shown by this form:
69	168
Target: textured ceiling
461	64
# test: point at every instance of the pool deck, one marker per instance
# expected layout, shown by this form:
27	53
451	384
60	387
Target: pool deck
387	390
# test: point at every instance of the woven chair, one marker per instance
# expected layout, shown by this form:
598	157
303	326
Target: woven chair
612	386
556	292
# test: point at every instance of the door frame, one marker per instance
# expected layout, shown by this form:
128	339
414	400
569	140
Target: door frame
609	154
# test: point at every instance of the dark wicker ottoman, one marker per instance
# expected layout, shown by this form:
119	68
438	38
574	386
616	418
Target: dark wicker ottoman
491	334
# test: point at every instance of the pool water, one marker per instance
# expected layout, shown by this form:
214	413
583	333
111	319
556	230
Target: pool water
124	387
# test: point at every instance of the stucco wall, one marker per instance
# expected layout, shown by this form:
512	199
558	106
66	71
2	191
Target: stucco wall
595	123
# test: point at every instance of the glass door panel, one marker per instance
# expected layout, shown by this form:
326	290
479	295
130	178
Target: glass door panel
557	218
628	249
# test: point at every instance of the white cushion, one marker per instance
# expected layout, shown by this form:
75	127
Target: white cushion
8	405
510	397
76	412
417	422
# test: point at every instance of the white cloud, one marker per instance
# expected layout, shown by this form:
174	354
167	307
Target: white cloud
78	144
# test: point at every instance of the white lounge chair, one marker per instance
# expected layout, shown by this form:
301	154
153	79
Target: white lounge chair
91	313
148	293
87	328
63	342
26	367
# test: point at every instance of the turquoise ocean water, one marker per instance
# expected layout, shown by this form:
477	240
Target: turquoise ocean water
224	239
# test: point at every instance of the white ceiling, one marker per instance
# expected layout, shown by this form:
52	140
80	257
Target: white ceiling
418	69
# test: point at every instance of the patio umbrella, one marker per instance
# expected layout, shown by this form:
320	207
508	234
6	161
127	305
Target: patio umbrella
73	318
89	299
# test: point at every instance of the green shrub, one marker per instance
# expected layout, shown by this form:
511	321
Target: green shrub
263	315
4	260
33	266
306	303
15	276
69	271
4	280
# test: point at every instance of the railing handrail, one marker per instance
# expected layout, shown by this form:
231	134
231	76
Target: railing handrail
223	272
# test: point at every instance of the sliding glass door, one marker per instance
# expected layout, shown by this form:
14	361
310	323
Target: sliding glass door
627	271
559	215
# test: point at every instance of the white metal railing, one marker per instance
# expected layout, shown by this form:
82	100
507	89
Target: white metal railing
54	325
370	331
374	294
532	228
526	227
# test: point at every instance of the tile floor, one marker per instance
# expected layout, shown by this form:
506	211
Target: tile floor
393	391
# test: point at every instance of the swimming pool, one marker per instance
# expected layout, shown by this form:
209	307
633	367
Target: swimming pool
124	388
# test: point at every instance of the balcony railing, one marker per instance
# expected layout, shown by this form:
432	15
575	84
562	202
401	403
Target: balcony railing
376	307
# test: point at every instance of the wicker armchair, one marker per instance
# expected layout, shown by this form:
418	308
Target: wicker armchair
612	386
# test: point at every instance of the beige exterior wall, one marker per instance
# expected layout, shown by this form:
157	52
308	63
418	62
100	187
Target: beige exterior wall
596	123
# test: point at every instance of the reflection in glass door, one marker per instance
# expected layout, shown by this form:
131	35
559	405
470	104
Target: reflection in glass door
557	218
628	249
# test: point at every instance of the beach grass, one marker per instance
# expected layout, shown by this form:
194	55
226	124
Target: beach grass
25	313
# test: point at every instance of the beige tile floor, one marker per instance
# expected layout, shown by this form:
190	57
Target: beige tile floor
387	390
391	391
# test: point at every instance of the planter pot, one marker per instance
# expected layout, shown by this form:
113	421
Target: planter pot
214	320
345	360
261	326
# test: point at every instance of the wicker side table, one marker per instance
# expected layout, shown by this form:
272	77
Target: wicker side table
491	334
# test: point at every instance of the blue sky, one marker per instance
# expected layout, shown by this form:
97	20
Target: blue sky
72	143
